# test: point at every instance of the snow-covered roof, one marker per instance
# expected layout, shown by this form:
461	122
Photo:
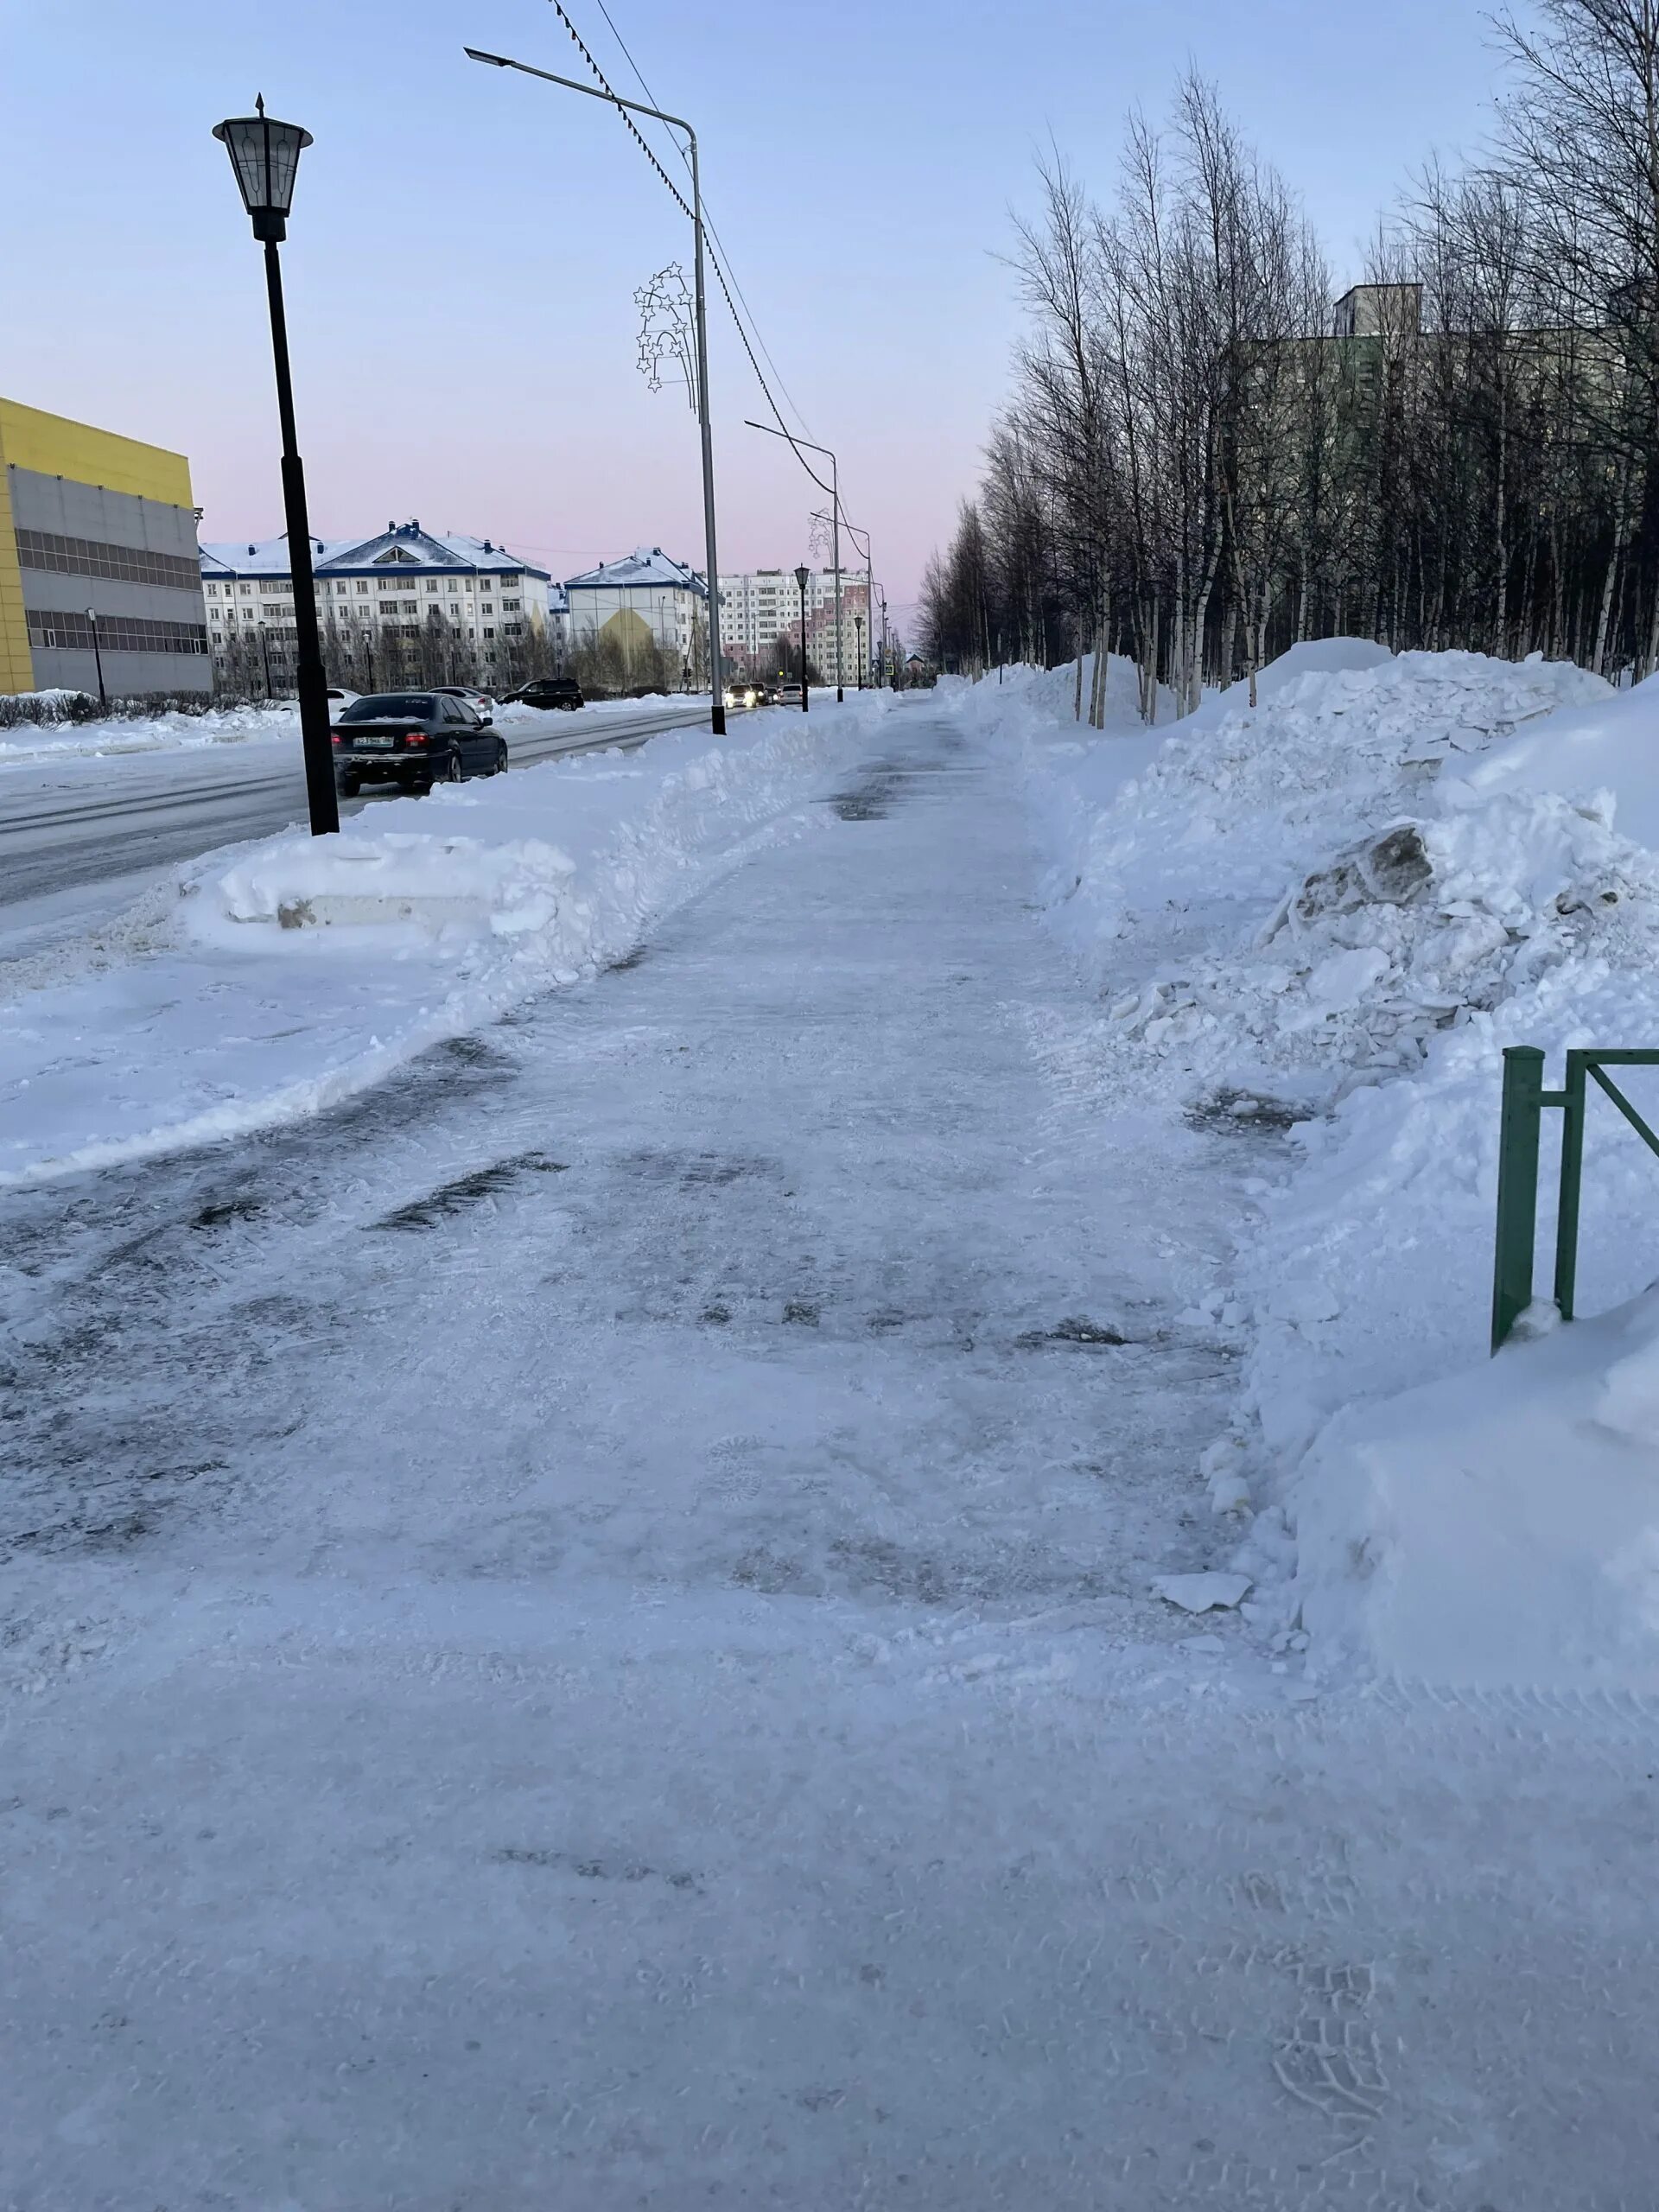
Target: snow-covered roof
412	547
645	565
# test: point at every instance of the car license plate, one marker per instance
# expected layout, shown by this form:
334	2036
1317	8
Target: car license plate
378	744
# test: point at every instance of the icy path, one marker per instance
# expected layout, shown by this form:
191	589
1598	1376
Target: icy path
578	1637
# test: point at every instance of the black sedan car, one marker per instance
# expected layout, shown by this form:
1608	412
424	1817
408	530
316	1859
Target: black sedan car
550	691
415	739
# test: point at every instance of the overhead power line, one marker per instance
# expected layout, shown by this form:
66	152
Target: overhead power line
680	200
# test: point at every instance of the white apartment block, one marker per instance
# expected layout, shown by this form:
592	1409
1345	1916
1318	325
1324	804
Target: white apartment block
399	580
762	604
646	590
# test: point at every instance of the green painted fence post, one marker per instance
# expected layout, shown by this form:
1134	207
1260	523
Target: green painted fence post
1518	1187
1566	1212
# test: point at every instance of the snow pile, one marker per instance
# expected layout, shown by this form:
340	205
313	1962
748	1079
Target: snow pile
1500	1526
25	743
1316	923
296	971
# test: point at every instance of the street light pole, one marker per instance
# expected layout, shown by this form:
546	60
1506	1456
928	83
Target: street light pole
265	155
98	659
858	627
802	574
835	512
711	558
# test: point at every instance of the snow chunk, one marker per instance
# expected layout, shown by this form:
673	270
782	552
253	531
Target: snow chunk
1202	1593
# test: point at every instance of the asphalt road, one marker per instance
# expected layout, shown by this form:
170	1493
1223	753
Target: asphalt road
69	826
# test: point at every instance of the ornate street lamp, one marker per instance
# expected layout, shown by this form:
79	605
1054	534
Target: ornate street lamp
803	576
265	155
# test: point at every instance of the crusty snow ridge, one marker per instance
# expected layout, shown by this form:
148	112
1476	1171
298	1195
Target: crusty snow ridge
1316	923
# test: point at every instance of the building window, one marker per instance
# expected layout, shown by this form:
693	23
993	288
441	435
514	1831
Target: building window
432	583
512	629
87	556
363	588
487	606
117	633
488	632
511	606
453	583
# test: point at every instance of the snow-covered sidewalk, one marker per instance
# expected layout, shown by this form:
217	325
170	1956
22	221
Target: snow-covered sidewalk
581	1633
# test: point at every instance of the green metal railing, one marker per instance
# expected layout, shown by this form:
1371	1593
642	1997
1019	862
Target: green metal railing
1525	1101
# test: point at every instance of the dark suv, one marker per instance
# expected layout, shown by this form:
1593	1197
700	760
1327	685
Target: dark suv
548	691
416	738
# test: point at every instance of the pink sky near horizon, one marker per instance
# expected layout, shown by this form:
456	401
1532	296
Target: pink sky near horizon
466	244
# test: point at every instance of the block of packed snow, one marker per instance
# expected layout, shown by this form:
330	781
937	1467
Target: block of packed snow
1500	1526
1202	1593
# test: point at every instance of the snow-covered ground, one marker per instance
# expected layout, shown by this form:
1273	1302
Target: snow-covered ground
265	982
605	1621
1345	903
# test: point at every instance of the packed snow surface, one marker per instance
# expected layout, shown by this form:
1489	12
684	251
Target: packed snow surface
581	1627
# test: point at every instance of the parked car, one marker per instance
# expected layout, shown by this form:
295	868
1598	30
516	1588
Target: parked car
789	695
339	701
548	691
480	701
416	738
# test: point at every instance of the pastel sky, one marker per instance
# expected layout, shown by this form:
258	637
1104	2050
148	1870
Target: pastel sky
466	245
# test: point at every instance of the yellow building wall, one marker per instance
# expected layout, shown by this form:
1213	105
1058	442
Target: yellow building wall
52	445
16	666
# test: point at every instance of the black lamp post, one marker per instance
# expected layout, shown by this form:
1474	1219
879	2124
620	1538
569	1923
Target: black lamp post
97	658
266	156
802	575
858	625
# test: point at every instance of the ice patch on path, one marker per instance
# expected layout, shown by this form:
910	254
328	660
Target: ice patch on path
477	897
1499	1526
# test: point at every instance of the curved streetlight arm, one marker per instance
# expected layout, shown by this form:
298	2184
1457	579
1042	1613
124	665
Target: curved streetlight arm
591	91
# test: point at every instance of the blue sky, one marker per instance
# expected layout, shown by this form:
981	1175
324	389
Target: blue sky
466	245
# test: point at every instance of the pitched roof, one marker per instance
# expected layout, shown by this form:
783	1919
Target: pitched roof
645	565
415	547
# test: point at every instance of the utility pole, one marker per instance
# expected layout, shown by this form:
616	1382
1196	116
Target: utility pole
835	510
711	557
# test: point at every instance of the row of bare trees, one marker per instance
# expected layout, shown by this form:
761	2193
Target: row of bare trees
1194	469
384	657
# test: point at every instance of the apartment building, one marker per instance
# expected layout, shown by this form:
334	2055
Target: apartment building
759	605
403	580
98	562
646	596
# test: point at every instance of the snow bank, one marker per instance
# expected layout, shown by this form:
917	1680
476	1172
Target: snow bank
287	974
1316	923
29	743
